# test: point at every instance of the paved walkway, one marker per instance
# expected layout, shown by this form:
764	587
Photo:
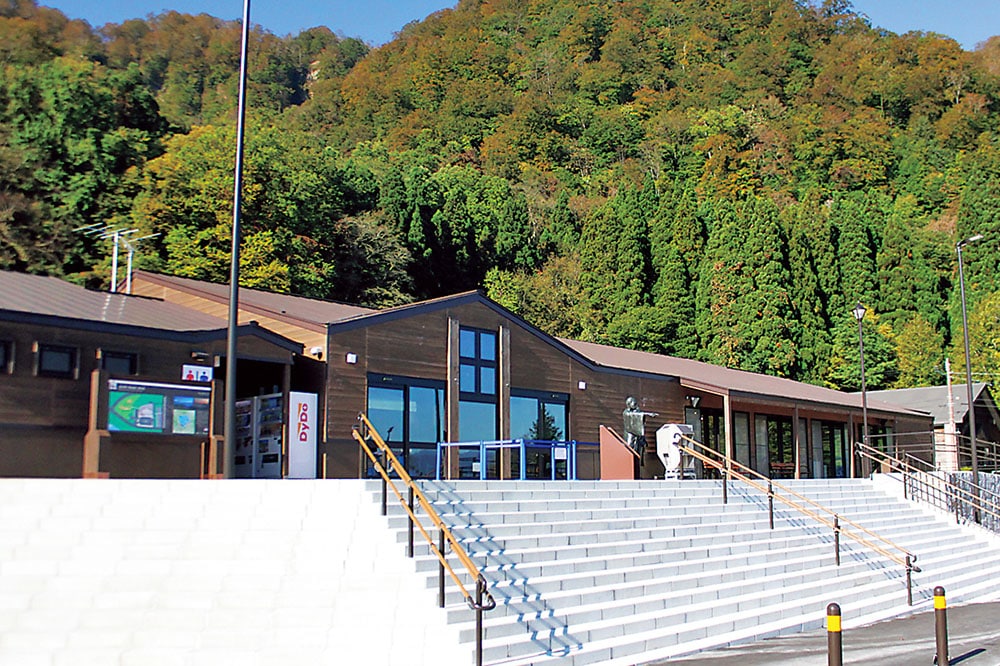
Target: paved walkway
973	640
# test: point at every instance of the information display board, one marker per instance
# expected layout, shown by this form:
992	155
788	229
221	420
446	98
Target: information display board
155	408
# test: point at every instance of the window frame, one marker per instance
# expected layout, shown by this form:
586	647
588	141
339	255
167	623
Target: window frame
7	361
73	372
131	357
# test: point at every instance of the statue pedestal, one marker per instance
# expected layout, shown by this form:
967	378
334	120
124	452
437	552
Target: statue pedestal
618	462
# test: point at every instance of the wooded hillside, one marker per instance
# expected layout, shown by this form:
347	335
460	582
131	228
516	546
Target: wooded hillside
719	180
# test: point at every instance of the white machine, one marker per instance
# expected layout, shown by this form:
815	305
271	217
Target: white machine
675	464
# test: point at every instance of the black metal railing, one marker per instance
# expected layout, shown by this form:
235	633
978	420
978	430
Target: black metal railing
955	492
392	471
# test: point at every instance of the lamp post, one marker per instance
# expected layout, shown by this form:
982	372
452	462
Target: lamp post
859	314
968	375
229	441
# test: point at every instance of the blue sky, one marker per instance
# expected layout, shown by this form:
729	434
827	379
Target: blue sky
375	21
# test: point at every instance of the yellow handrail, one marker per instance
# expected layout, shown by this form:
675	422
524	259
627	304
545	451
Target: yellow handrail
728	466
978	502
369	432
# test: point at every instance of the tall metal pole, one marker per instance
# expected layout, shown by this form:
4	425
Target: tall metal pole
859	314
234	265
968	376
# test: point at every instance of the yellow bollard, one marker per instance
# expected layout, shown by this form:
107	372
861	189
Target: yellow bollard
941	625
834	639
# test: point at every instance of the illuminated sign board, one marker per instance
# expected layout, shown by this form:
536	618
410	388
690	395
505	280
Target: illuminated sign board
155	408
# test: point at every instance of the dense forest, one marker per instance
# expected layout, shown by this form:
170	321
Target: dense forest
720	179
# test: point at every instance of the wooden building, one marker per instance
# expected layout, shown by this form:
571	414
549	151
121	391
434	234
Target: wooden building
61	344
464	369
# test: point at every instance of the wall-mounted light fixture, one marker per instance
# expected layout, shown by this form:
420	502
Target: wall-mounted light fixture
200	356
351	358
582	385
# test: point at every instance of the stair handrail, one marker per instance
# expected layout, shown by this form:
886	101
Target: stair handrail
982	500
733	468
364	432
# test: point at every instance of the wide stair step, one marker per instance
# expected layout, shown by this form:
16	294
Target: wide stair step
632	572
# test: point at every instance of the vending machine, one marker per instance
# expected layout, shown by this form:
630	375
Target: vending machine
257	448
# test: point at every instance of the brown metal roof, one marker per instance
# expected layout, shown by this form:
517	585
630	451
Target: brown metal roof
50	296
717	379
278	306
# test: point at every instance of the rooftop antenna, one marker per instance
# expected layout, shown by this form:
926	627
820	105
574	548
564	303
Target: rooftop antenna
104	231
130	246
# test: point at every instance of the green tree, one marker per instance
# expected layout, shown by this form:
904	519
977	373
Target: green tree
844	369
745	305
919	350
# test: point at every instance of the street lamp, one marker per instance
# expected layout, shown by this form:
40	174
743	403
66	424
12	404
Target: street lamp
229	420
859	314
968	374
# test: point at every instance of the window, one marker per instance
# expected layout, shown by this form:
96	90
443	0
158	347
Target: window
535	415
6	357
540	417
477	406
409	415
478	362
120	363
57	361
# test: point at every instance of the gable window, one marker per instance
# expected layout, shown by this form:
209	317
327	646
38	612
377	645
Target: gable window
120	363
477	405
57	361
6	357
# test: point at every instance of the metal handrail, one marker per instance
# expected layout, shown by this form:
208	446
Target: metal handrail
983	500
364	432
732	468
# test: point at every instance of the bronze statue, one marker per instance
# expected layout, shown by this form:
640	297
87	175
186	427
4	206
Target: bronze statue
635	426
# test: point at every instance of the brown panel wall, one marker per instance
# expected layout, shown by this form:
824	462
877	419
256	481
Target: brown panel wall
43	420
417	347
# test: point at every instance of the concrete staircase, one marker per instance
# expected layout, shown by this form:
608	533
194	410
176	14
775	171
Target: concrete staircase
625	573
290	573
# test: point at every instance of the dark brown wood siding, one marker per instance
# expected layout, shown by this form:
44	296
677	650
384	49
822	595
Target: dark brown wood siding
43	420
417	346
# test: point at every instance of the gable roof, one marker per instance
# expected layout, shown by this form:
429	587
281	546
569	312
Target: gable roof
311	312
52	301
727	381
934	399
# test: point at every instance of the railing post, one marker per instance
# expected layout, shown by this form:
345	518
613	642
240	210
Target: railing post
725	485
770	503
836	537
480	588
410	504
834	638
482	460
909	581
906	478
524	460
941	624
576	453
385	484
441	568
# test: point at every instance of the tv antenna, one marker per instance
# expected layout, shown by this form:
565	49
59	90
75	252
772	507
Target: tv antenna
119	235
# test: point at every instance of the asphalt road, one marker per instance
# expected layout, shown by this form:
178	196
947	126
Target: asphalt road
973	640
